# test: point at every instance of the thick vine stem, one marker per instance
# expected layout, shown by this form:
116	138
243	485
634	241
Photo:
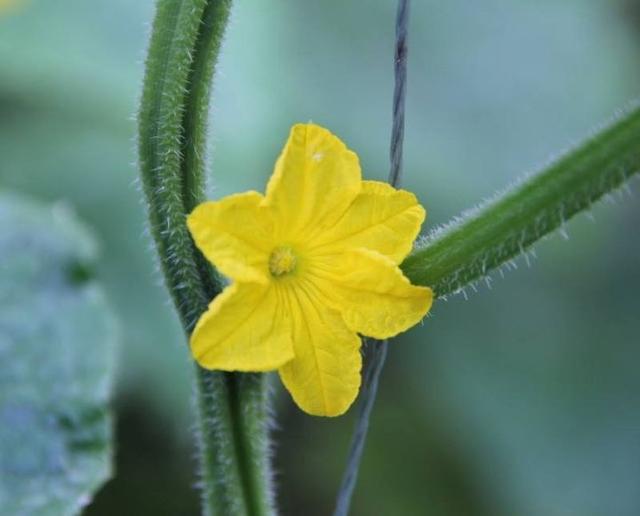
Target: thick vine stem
242	399
172	123
483	239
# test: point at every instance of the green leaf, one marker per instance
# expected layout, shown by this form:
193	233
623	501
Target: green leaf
483	239
57	342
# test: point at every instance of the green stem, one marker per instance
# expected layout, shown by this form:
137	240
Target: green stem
160	136
252	439
242	399
223	491
185	43
469	248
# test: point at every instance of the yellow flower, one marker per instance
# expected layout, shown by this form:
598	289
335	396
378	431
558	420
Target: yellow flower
313	263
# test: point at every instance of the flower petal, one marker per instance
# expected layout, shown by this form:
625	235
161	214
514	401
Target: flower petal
380	218
373	296
315	179
324	376
235	235
245	329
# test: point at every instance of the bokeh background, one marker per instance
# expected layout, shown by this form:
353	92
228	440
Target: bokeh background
523	399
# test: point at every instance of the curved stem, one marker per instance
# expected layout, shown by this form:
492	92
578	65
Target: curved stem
185	43
160	134
483	239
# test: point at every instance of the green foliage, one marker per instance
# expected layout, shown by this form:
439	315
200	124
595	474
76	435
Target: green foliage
57	342
483	239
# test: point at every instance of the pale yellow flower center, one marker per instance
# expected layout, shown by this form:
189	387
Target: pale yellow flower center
282	261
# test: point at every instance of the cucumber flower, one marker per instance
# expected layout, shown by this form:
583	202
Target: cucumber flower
313	263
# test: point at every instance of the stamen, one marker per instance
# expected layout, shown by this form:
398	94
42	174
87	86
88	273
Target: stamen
282	261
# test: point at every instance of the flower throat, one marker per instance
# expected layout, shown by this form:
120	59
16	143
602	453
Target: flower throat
282	261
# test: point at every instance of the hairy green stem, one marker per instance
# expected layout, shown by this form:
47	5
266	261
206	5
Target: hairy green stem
184	46
242	399
483	239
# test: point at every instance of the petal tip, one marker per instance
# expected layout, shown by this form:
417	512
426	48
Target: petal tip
334	410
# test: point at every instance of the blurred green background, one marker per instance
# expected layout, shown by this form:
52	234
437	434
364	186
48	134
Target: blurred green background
523	399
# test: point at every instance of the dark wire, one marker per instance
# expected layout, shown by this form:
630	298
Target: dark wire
376	351
399	93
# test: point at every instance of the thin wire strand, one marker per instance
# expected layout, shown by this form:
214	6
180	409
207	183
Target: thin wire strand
399	93
376	351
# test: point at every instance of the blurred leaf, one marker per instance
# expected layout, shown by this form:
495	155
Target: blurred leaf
57	341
